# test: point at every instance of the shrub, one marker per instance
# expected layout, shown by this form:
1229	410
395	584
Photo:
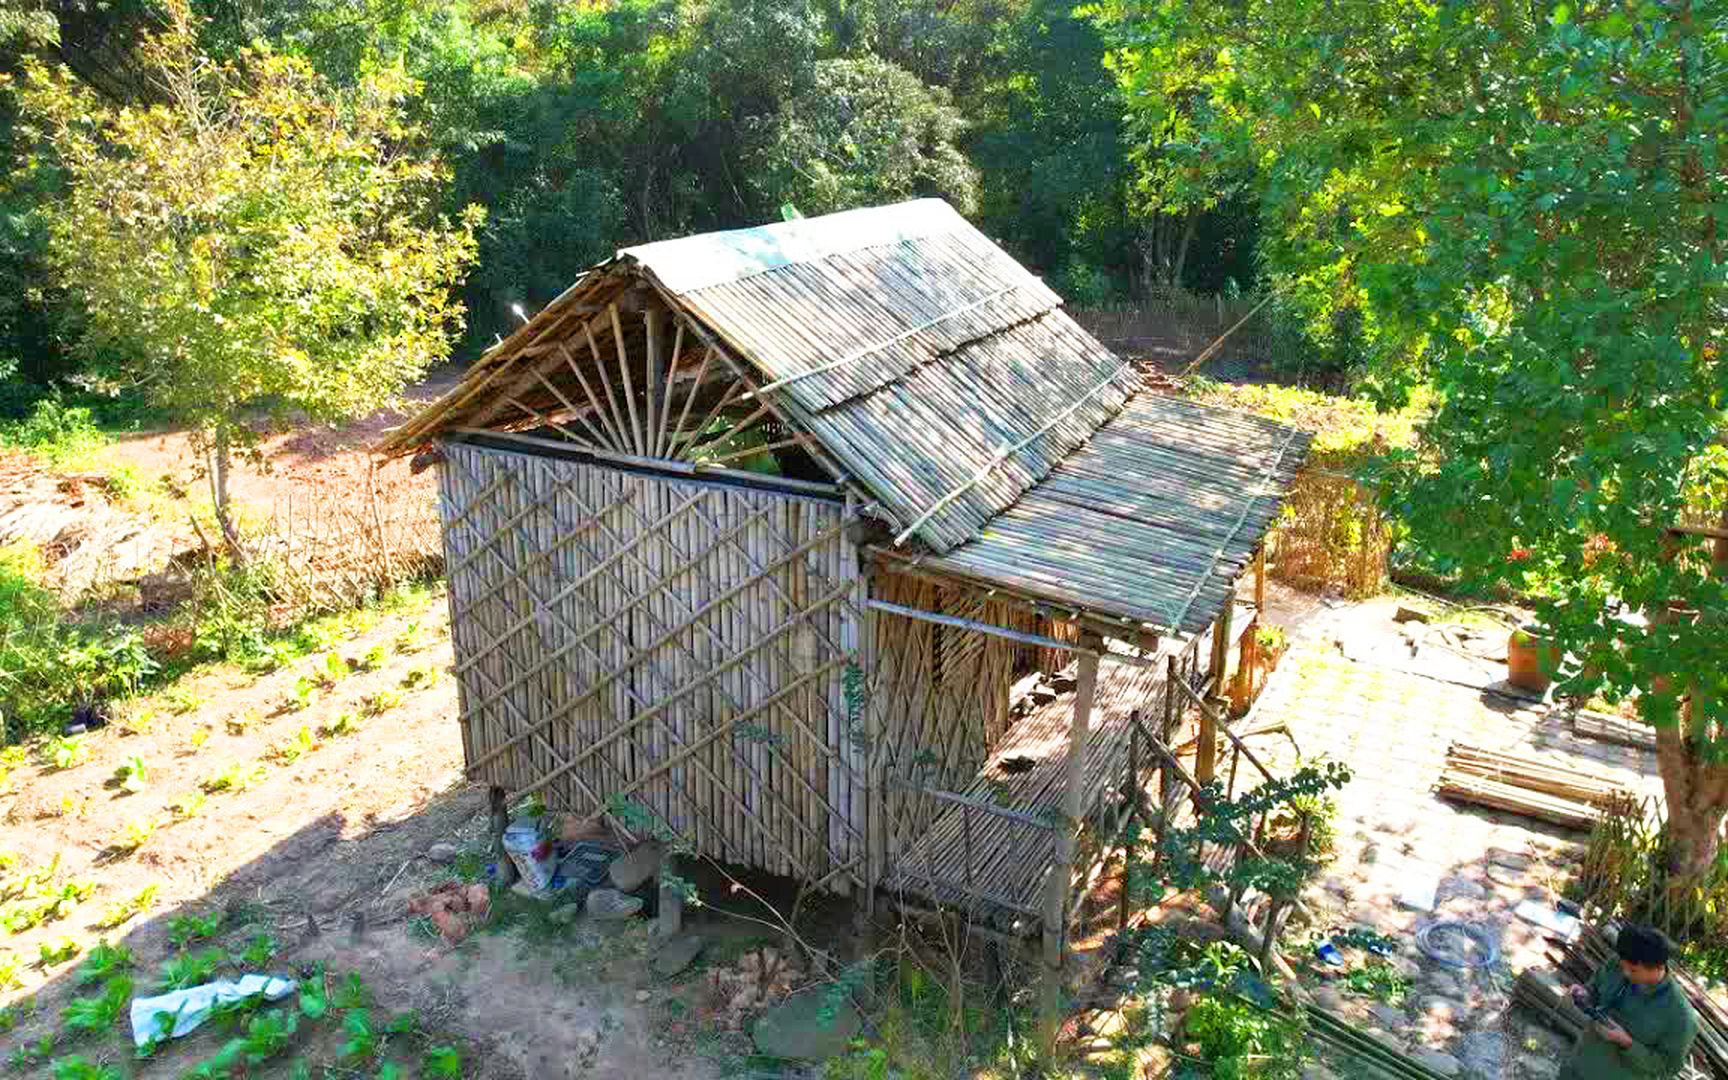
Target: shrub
61	435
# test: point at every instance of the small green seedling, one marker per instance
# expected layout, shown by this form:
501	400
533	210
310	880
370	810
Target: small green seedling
56	952
139	722
181	702
100	1013
131	775
76	1068
381	702
199	737
236	777
11	971
188	805
335	668
191	969
441	1063
292	750
135	834
104	961
67	752
408	640
346	723
121	912
257	954
373	659
183	930
307	690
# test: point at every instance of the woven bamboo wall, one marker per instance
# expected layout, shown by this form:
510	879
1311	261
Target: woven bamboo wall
939	695
679	642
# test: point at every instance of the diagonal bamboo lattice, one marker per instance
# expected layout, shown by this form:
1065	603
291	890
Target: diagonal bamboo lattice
679	643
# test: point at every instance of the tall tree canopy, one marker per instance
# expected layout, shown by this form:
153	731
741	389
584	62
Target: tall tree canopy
256	240
1523	204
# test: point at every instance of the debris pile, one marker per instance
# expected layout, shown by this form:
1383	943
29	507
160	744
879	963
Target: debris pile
454	908
761	978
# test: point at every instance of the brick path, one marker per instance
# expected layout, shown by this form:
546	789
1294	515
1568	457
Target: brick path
1353	689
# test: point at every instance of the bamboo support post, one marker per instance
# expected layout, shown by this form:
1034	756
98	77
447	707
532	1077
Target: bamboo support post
1062	872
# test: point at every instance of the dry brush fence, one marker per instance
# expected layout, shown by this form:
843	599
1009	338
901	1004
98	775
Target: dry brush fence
333	547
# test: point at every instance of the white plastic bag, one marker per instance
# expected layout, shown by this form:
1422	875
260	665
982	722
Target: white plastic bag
193	1006
531	853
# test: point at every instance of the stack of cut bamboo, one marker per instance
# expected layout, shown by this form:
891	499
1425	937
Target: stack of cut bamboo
1613	729
1544	992
1366	1055
1554	793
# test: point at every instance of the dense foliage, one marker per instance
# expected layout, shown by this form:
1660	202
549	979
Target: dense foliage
257	239
581	128
1518	205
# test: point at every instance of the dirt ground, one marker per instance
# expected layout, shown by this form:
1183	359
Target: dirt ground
323	853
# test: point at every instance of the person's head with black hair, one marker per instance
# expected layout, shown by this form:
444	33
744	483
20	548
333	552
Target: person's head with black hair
1643	954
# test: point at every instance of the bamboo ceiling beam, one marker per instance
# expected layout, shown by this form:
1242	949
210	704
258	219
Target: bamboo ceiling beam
641	443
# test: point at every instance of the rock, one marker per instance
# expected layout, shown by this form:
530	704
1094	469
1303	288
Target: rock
677	954
1388	1017
443	852
1408	614
632	869
1510	860
642	996
611	905
1444	1064
795	1029
1461	887
565	914
1370	853
451	926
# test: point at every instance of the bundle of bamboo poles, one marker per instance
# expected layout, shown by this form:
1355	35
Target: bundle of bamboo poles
1367	1055
1613	729
1545	993
1564	796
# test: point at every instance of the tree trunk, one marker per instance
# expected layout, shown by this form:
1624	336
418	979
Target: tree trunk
219	464
1696	788
1697	795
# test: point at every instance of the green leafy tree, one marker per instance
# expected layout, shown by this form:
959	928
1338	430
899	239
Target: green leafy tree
865	132
258	240
1521	204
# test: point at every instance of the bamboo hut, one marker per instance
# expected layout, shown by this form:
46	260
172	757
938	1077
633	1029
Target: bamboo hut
763	529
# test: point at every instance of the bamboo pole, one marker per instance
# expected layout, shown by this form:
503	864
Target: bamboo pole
1062	872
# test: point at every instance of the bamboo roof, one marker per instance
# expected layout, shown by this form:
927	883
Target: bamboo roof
1151	521
945	384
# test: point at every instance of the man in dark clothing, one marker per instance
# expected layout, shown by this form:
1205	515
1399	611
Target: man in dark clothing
1641	1023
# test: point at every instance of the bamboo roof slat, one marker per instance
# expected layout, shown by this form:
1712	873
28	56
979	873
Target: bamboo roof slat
933	376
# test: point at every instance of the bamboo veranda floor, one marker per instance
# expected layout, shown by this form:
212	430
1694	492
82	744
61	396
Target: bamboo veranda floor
991	856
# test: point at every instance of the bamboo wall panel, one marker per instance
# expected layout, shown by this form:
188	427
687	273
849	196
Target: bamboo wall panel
679	642
940	694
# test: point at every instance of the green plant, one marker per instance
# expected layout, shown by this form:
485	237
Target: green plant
289	751
381	702
257	954
361	1039
138	722
188	805
131	775
102	961
373	659
120	912
199	737
183	930
135	834
441	1063
236	777
56	952
334	668
346	723
1239	1040
61	435
420	677
182	701
76	1068
307	690
11	970
1378	979
191	969
94	1015
408	639
66	752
